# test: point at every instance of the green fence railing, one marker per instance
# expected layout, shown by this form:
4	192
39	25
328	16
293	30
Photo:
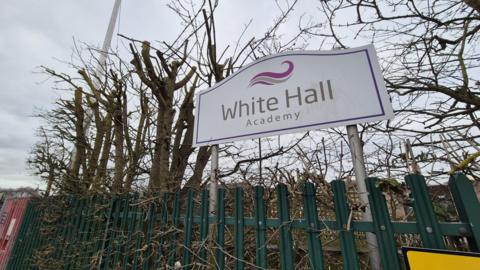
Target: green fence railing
171	231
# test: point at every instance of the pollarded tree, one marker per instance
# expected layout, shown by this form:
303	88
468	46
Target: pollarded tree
129	122
173	133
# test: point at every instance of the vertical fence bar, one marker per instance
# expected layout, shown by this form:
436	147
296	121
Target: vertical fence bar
426	219
90	246
148	241
77	233
131	226
85	249
67	250
119	237
33	233
84	263
345	231
38	234
162	227
468	207
60	243
174	235
106	234
81	233
42	236
97	230
260	229
53	235
313	227
286	243
382	226
204	227
187	241
239	228
220	239
90	238
112	232
138	238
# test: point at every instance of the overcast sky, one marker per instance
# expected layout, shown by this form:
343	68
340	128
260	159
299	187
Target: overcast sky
35	33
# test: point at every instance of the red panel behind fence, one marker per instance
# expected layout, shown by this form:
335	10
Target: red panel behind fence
11	217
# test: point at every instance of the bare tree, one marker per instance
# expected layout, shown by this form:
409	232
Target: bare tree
142	108
429	54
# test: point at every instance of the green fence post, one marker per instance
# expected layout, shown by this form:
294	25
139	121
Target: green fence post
84	262
187	242
468	207
239	229
426	219
313	227
98	232
123	221
163	222
91	237
104	257
32	236
79	227
67	251
82	234
260	229
219	253
382	226
112	230
175	223
60	241
286	243
342	213
147	261
138	238
204	223
131	226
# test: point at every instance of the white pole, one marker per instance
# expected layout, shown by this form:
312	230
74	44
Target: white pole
212	202
260	157
89	113
98	72
213	180
356	149
108	36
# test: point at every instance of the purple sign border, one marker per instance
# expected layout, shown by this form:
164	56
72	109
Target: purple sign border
295	127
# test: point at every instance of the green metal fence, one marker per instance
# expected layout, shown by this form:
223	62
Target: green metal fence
171	230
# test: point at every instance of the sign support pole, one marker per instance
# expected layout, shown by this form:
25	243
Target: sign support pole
260	158
356	149
212	202
213	180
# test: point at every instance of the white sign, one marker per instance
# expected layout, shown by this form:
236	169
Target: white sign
291	92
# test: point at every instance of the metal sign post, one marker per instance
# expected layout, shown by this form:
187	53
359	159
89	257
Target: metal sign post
356	149
212	202
212	187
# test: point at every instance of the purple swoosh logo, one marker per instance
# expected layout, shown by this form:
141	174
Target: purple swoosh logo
271	78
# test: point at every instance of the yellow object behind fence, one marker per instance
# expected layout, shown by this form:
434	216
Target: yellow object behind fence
434	259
